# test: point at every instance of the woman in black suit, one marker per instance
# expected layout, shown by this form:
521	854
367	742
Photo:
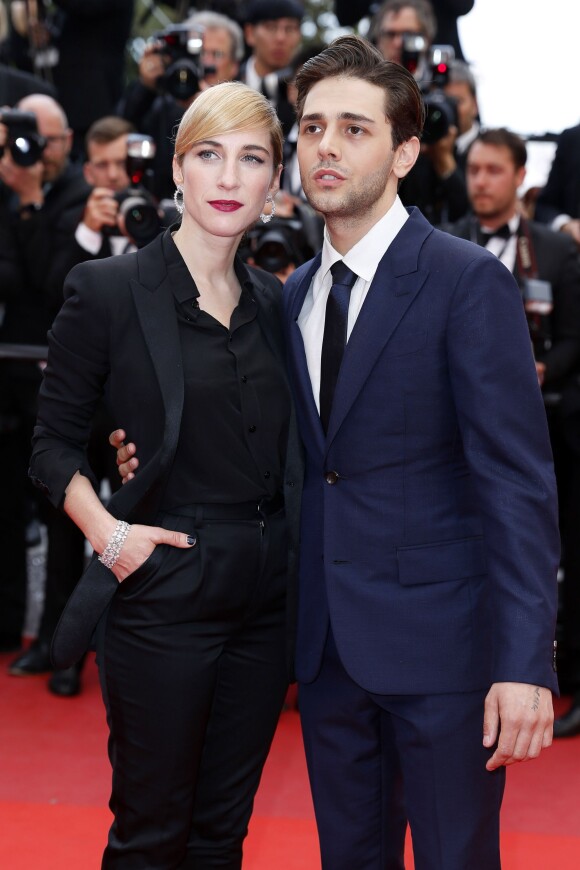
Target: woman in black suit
189	592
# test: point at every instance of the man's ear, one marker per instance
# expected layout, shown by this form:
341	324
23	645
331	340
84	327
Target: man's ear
406	157
88	173
249	35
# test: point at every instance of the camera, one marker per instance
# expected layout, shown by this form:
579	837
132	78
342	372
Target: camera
273	247
183	45
440	109
413	49
137	206
23	140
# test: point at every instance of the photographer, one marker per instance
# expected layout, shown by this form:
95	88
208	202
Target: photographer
403	31
461	88
546	265
38	201
79	45
175	66
100	232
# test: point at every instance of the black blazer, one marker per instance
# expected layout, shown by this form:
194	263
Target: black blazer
117	335
558	263
561	193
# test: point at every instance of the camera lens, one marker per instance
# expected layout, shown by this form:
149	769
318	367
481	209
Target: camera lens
26	150
141	219
181	80
440	115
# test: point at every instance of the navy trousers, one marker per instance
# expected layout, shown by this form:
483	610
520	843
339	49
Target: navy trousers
376	761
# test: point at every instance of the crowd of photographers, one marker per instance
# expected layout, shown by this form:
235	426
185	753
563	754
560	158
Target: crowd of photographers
85	172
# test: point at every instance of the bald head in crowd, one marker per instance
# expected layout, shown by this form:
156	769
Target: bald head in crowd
53	125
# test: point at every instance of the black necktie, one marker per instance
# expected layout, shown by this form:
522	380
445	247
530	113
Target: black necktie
334	340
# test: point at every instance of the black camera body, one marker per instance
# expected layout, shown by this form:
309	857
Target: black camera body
183	45
23	140
137	207
440	109
274	246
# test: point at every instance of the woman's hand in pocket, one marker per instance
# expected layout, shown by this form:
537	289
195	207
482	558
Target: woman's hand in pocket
141	542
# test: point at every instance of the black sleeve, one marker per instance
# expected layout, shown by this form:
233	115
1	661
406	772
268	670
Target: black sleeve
562	358
73	384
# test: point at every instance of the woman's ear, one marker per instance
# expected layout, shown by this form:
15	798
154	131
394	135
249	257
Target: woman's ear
275	183
406	156
177	173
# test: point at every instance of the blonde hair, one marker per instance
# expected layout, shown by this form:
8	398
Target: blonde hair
228	108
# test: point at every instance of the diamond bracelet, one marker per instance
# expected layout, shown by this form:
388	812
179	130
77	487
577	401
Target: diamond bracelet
112	551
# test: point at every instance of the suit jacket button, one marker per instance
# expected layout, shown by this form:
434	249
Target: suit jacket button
331	477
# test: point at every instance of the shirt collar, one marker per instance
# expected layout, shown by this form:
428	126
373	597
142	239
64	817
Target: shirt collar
182	283
513	224
464	140
364	257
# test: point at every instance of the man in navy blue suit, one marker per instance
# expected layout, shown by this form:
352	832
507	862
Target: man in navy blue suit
429	539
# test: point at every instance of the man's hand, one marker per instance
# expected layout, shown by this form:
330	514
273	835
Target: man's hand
25	181
519	716
127	462
442	154
541	372
101	209
151	65
573	229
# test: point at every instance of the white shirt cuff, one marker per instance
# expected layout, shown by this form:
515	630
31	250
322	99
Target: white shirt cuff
90	240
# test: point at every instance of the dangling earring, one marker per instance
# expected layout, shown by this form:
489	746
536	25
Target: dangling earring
266	218
178	198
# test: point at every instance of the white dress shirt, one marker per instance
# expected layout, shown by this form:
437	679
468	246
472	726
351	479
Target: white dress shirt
253	80
363	259
92	241
505	249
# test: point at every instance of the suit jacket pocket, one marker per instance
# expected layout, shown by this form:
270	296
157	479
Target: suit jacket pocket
405	343
441	562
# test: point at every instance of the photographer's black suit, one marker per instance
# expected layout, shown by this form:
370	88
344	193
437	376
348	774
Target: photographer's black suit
92	35
156	115
15	84
32	295
561	193
557	262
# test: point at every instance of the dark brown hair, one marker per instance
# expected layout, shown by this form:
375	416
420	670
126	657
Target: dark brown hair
107	129
502	137
355	57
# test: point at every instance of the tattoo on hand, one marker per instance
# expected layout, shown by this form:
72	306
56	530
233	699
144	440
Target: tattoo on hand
536	701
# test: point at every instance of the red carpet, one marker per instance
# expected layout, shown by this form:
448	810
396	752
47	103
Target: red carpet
54	782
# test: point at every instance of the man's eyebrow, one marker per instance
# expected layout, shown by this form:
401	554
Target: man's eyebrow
342	116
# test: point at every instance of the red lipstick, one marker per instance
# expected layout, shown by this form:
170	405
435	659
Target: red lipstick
225	204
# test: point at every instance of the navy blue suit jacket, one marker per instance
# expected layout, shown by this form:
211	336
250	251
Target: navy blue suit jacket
434	554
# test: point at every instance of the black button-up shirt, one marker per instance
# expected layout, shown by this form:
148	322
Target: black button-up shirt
236	409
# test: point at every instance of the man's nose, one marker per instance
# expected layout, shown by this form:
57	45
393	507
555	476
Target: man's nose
329	145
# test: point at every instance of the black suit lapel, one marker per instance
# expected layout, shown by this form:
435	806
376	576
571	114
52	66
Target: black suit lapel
154	303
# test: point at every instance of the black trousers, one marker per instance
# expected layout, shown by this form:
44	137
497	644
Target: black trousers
193	672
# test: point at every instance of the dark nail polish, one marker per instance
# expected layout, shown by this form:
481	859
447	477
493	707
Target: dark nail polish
191	541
